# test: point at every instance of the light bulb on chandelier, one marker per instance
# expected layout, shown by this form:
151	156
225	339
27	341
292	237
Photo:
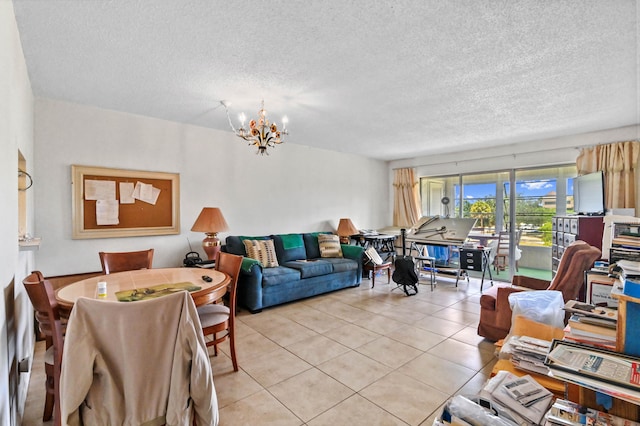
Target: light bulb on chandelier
261	133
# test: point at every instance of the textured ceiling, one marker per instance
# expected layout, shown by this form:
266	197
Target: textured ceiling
386	79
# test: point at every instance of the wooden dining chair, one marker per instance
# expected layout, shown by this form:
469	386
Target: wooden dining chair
42	298
126	261
501	259
218	319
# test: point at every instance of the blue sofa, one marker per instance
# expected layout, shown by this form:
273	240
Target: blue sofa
301	273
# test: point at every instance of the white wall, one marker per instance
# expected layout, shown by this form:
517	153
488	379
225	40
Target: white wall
16	133
294	189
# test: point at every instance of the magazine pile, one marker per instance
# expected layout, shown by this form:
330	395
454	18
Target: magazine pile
568	413
602	370
523	398
591	324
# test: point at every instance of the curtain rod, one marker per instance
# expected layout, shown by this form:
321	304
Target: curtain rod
456	162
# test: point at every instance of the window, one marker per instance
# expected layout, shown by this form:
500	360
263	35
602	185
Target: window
539	194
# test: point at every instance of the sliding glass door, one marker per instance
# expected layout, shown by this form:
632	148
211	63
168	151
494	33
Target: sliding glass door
513	211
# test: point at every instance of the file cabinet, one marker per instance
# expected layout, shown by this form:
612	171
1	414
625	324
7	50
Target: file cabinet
567	229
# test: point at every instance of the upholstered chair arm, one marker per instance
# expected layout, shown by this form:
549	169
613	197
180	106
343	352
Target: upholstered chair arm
503	309
248	263
250	284
355	253
530	283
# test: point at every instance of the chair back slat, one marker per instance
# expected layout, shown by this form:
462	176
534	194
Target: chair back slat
230	264
126	261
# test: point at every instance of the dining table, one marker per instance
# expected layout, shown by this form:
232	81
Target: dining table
204	285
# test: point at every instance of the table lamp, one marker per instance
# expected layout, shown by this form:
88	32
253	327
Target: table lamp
345	230
210	222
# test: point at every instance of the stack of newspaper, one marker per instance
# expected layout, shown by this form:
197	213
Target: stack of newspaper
523	397
527	353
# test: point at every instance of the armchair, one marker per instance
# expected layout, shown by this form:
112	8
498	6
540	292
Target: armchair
495	311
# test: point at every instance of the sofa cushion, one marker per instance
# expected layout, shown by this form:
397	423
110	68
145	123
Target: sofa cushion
234	244
311	268
289	247
262	250
311	244
278	276
329	245
341	264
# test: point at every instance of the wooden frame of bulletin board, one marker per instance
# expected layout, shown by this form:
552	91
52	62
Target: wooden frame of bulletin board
139	218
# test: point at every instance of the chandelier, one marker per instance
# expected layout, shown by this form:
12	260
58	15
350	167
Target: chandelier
261	133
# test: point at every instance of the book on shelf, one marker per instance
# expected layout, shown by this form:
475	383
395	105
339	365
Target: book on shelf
603	322
630	268
590	310
626	228
599	342
590	335
603	270
617	254
624	240
577	323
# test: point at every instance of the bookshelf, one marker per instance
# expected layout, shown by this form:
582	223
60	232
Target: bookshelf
625	245
627	339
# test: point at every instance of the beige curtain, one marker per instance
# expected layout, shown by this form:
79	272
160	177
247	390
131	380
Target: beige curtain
618	161
406	206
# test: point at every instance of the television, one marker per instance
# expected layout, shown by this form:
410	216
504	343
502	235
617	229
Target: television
588	194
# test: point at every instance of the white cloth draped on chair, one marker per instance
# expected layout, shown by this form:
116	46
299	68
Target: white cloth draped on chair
142	363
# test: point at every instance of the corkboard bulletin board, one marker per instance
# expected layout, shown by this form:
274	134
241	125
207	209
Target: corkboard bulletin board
136	219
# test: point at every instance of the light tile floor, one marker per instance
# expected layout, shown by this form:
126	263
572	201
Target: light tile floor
358	356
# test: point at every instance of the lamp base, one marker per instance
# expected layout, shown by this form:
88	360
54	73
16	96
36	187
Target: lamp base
211	246
345	240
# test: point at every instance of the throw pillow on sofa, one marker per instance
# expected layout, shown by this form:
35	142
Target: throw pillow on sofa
289	247
329	245
263	251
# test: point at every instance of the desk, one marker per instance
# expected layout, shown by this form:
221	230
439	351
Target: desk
381	242
129	280
483	239
421	247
